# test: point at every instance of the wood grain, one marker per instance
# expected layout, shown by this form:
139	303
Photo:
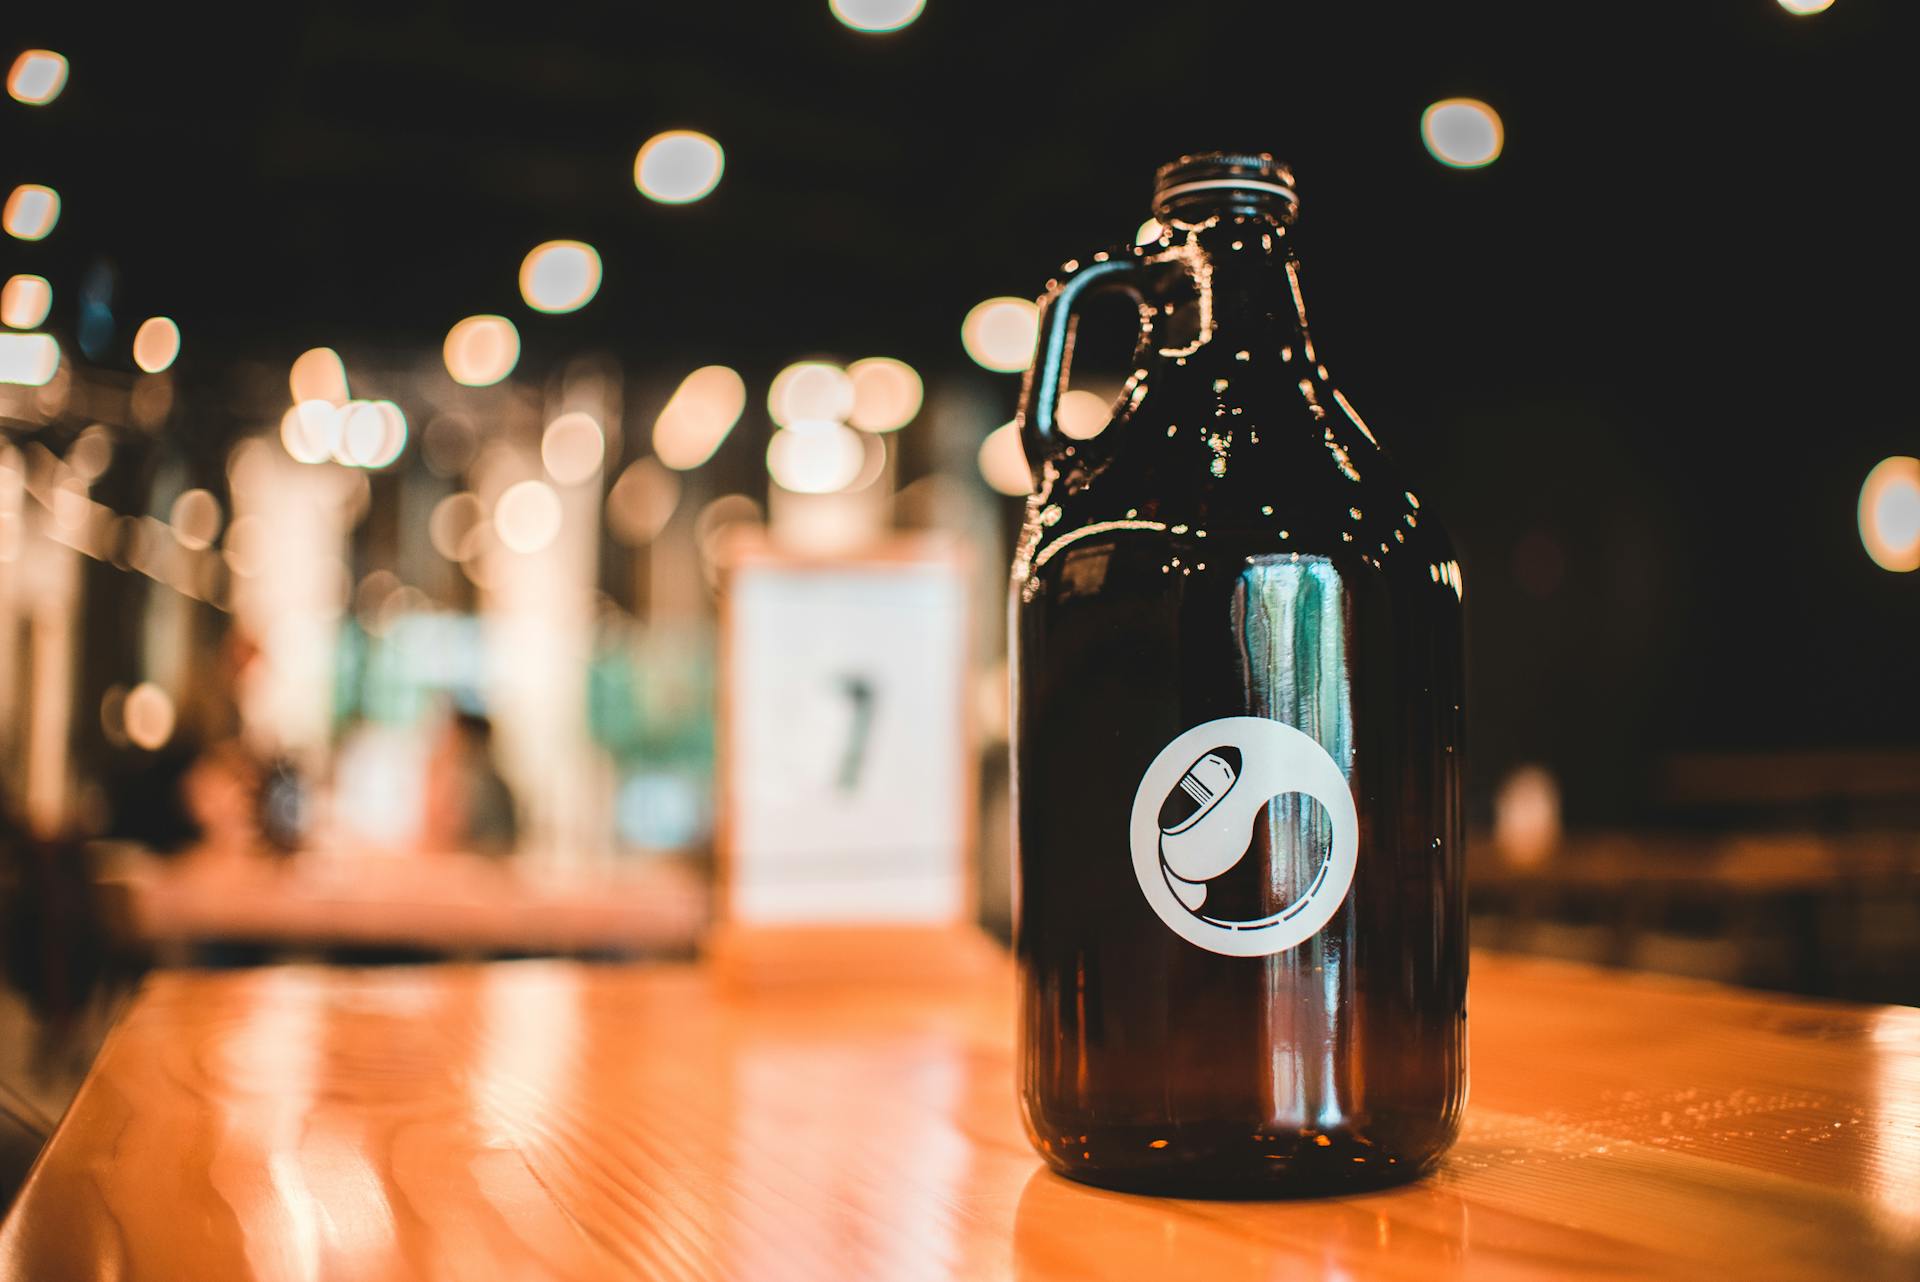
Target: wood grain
551	1120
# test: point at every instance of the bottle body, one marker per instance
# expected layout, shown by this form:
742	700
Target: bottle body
1237	681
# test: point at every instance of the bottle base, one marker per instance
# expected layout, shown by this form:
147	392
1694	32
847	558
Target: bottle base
1235	1166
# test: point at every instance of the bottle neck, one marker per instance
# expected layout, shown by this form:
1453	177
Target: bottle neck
1230	269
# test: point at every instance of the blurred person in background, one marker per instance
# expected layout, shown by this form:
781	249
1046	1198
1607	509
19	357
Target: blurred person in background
221	794
467	805
209	792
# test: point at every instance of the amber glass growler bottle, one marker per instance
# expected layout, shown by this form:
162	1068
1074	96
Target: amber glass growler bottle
1237	681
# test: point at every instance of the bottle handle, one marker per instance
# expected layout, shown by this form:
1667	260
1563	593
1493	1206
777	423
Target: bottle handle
1053	352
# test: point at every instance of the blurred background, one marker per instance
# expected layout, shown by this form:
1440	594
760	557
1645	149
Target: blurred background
382	387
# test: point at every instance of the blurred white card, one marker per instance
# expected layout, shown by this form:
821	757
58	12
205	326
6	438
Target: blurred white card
845	752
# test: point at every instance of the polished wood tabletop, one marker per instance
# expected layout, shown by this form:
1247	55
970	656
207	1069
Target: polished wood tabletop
555	1120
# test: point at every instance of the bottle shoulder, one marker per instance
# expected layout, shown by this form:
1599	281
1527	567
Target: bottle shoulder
1254	451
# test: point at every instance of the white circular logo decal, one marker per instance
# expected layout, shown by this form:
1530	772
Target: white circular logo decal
1193	818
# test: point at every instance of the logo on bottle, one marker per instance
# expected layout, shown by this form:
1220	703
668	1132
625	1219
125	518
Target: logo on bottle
1194	823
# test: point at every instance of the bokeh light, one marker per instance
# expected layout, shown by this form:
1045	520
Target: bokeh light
877	17
1004	463
873	462
30	359
37	77
1149	232
195	518
1463	133
370	434
25	301
560	276
815	457
1890	514
481	350
245	550
1526	817
113	722
1803	8
810	392
572	447
1000	333
449	443
886	394
91	453
696	420
310	431
526	518
156	344
396	435
451	525
147	716
678	167
642	501
318	375
716	523
1082	415
31	211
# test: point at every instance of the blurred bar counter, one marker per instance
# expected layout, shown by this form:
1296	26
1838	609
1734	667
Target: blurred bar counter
401	904
557	1120
1819	914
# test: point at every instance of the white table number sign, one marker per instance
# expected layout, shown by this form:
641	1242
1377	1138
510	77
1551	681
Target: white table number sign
846	770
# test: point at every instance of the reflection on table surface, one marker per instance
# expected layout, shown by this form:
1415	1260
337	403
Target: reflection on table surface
549	1119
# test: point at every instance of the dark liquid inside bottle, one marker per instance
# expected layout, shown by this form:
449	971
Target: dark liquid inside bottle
1242	949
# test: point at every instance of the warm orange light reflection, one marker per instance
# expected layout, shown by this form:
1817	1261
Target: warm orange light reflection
1890	514
1004	463
702	411
560	276
1000	333
886	394
481	350
678	167
572	448
30	359
25	301
815	457
810	391
31	211
156	344
527	516
1082	415
37	77
319	375
1463	133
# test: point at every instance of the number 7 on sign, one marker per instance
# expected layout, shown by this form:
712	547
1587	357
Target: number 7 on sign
860	691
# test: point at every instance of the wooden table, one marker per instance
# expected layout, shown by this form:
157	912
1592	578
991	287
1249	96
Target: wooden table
553	1120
